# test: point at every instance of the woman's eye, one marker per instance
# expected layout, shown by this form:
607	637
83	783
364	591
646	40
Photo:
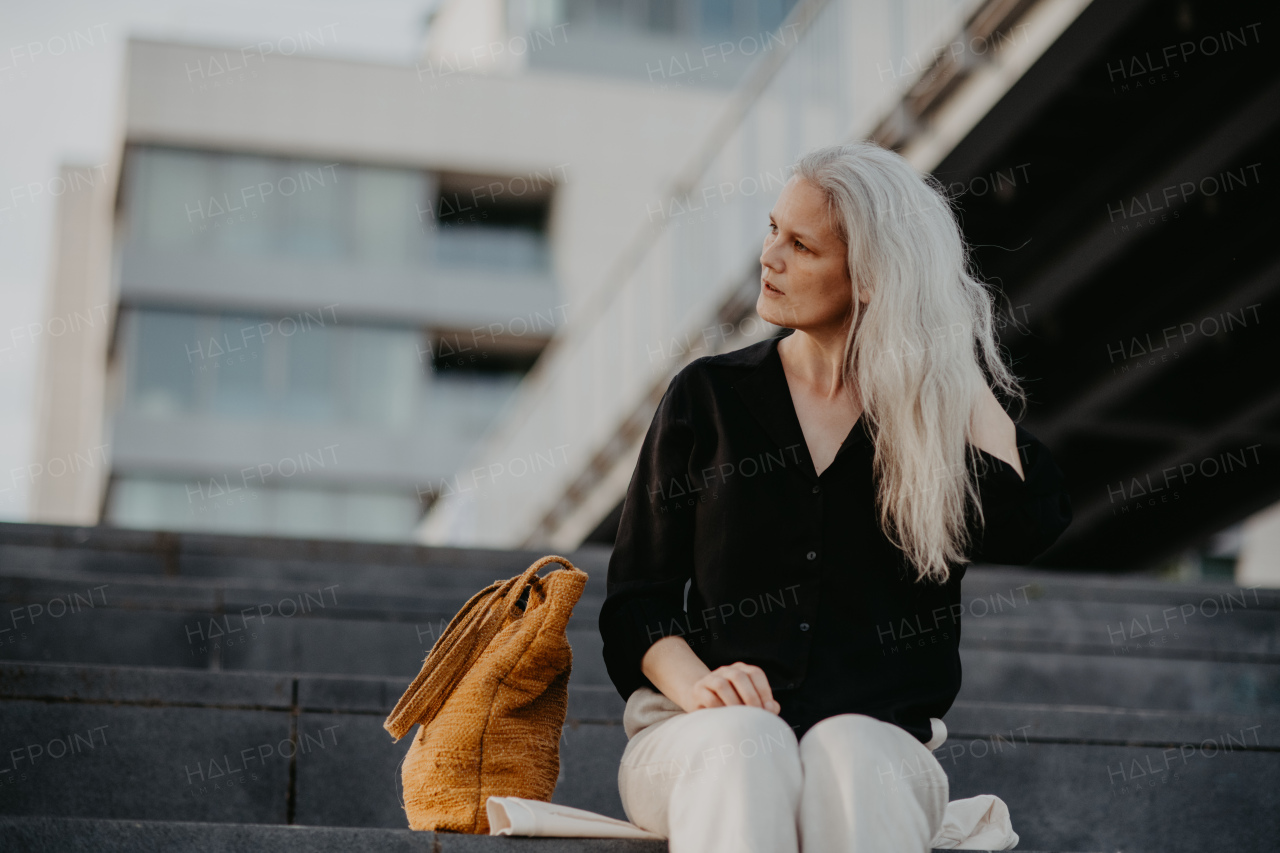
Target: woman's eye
800	246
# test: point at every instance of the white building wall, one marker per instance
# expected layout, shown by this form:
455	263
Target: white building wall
1258	563
609	143
618	143
68	473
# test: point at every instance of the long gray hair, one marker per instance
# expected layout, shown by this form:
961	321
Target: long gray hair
918	350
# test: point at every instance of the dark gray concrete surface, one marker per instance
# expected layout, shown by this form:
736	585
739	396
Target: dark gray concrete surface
1110	713
44	834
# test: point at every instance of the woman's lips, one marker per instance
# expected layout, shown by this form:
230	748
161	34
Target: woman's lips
769	287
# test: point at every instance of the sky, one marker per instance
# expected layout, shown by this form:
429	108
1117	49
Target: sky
58	105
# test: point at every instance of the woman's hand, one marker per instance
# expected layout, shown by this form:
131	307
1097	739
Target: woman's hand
734	684
677	671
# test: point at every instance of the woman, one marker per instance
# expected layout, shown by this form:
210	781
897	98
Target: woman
783	595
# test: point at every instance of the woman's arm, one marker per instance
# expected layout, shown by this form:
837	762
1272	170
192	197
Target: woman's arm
653	553
677	671
994	431
1025	507
642	618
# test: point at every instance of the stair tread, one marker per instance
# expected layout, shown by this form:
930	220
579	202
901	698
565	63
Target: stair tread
1066	692
153	686
25	833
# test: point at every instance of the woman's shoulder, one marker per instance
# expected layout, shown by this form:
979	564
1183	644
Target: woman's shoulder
725	366
1041	474
701	390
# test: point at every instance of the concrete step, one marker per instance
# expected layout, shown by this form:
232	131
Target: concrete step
1101	709
106	566
41	834
1119	681
1232	624
1009	582
106	552
43	568
86	684
246	600
156	744
162	745
1191	672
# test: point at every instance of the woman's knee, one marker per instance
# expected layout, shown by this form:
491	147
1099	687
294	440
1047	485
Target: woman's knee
870	753
859	740
853	733
741	735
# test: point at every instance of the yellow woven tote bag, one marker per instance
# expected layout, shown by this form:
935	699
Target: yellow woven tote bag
490	701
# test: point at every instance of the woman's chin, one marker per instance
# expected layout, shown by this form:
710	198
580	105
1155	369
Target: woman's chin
766	309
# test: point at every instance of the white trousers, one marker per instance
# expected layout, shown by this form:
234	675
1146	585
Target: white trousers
735	780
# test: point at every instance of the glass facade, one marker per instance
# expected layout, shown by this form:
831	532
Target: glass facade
667	44
223	505
207	388
252	206
687	18
302	370
300	367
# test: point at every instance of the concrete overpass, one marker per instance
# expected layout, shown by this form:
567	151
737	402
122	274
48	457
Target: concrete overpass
1109	160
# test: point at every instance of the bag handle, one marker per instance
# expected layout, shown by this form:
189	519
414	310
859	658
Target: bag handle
460	646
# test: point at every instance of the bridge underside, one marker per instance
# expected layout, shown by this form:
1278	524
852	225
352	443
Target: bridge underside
1119	196
1138	254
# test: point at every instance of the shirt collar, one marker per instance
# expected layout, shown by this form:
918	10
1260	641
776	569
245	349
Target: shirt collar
767	395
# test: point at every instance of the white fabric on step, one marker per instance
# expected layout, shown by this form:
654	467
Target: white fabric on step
978	823
518	816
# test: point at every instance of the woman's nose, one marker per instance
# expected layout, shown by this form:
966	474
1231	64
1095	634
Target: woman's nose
769	258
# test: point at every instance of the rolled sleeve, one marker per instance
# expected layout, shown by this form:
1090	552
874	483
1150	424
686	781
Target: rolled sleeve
653	554
1022	517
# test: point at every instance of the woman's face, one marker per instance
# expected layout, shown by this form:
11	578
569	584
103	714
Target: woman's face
804	271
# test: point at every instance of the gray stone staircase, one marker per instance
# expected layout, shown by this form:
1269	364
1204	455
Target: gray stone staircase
163	691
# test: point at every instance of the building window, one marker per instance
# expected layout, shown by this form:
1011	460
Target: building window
242	205
306	367
686	19
223	504
493	221
301	367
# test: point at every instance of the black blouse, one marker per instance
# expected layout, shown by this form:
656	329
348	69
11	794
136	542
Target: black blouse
789	570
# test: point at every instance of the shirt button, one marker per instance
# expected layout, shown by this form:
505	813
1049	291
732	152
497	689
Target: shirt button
804	626
817	489
812	555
